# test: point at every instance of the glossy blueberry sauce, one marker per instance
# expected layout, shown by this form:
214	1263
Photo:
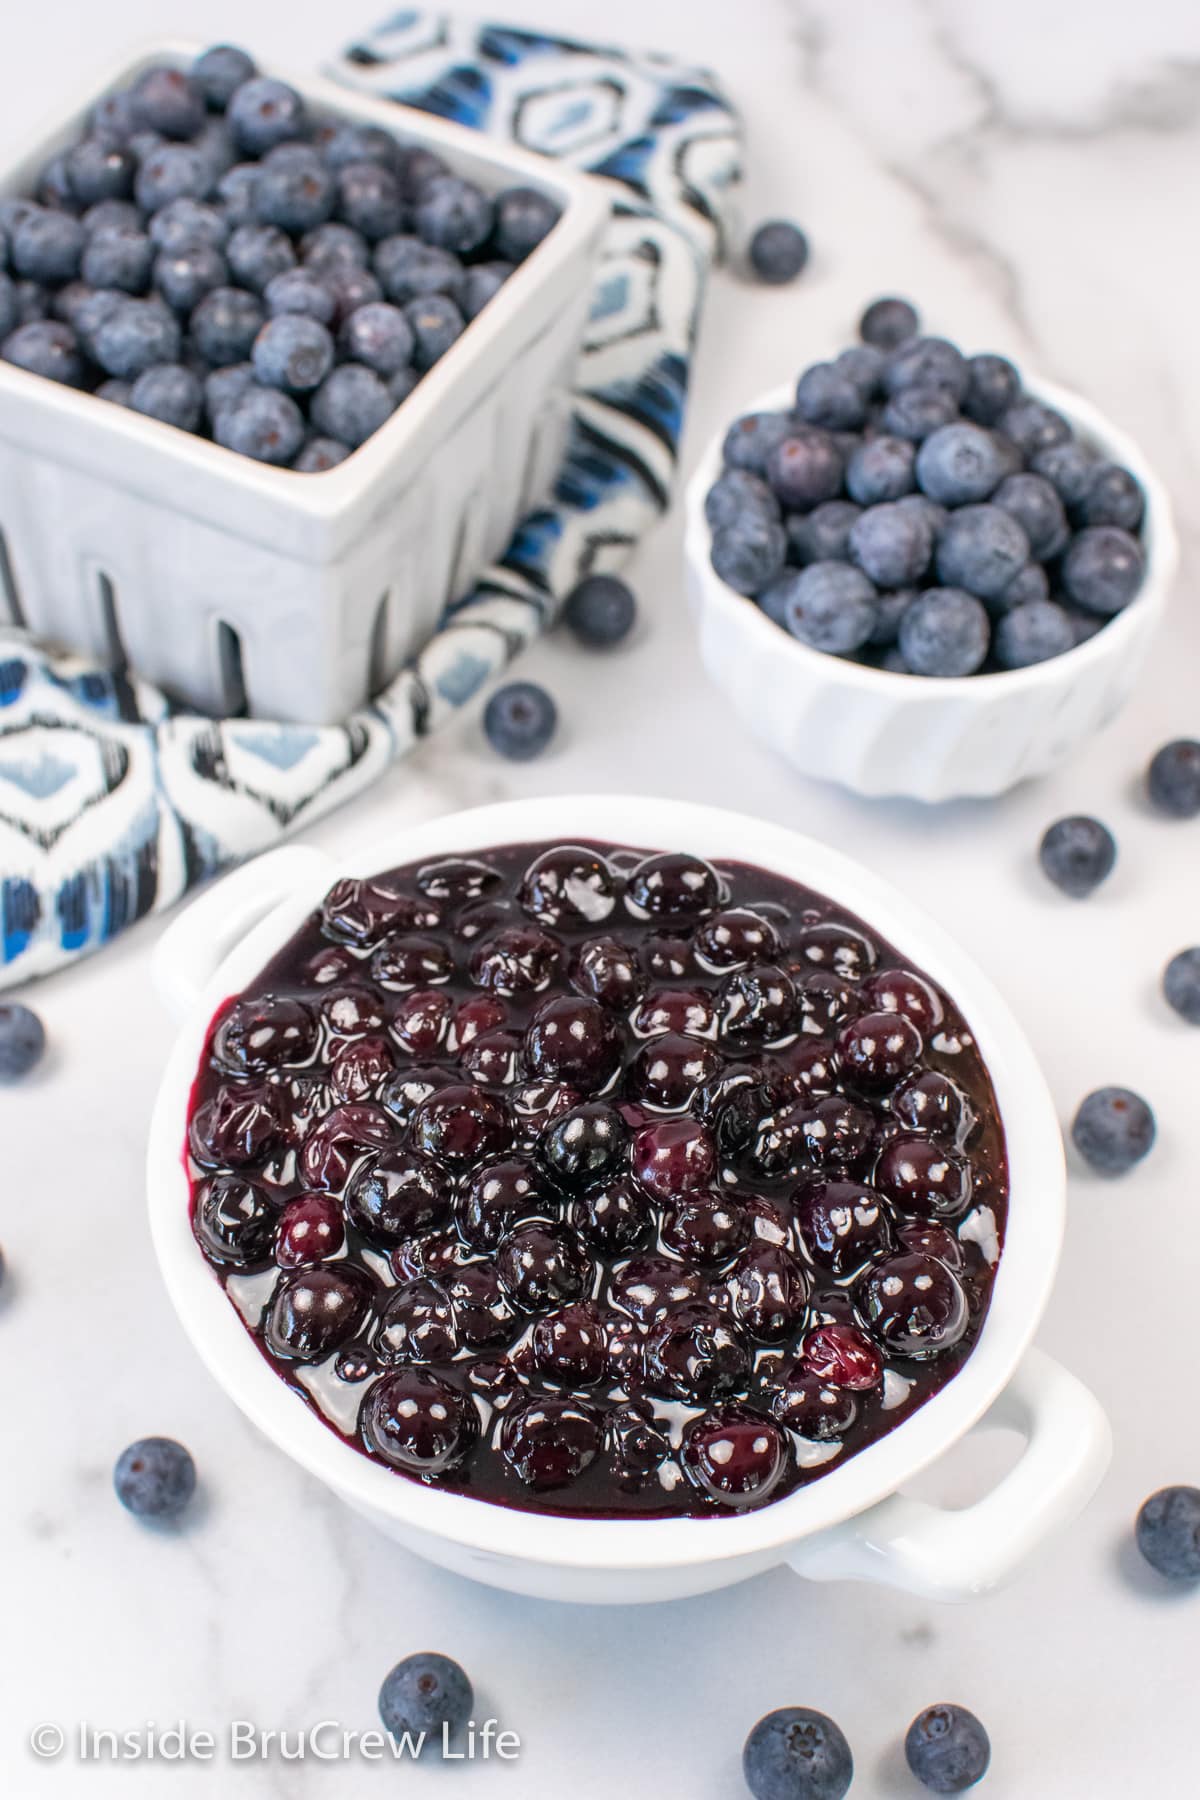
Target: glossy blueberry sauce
599	1182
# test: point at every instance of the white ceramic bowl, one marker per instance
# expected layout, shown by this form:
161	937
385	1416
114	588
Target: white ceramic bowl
885	734
232	583
850	1523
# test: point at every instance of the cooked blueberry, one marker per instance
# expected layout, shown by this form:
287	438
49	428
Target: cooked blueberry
913	1305
888	323
757	1006
1173	778
734	1456
749	554
573	1039
240	1127
750	440
315	1311
959	464
637	1446
947	1749
234	1223
920	1176
586	1144
516	959
155	1478
1077	854
805	1404
225	325
569	1346
694	1354
993	385
650	1288
930	1101
767	1291
523	217
606	970
1113	1130
1168	1532
735	938
570	885
805	467
945	632
1033	426
310	1229
843	1224
549	1442
615	1216
841	1356
1181	984
778	251
418	1423
339	1143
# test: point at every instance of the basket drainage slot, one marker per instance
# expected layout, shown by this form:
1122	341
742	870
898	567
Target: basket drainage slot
114	648
378	671
230	671
10	594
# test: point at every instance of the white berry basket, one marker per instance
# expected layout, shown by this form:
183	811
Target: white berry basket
883	734
230	582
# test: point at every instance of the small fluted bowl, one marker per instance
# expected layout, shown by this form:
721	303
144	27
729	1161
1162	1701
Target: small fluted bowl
926	738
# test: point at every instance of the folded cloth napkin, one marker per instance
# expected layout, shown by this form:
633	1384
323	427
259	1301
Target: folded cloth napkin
113	801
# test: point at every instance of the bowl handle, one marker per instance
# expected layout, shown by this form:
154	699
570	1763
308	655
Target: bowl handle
944	1554
194	945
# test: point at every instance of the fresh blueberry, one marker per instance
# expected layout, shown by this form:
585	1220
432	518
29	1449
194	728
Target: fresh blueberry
262	423
1181	984
944	632
257	252
825	396
519	720
225	325
401	384
292	352
1033	426
888	323
380	336
750	553
980	549
927	362
992	387
22	1040
155	1478
805	468
523	218
33	302
1113	497
235	191
890	608
117	392
171	393
1068	467
831	607
1173	778
216	146
916	412
601	610
45	347
118	257
369	199
891	545
428	1696
99	168
735	492
134	336
353	143
223	386
454	215
14	208
90	310
1113	1129
9	311
1034	503
167	101
823	535
863	365
436	324
108	214
959	464
880	469
335	246
263	112
54	186
777	252
300	291
1103	569
409	269
795	1753
776	598
294	193
350	404
172	172
113	116
750	440
1032	633
183	223
947	1749
1168	1532
47	246
219	72
1028	585
481	283
184	277
1078	854
1084	625
319	454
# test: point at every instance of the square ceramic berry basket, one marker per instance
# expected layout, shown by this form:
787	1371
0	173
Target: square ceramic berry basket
855	1523
228	581
926	738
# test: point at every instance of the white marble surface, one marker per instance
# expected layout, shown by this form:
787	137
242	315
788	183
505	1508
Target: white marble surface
1026	171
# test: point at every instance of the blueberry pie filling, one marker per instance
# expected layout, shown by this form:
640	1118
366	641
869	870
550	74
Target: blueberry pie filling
598	1182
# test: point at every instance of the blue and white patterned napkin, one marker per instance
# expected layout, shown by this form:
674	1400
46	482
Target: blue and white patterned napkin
113	802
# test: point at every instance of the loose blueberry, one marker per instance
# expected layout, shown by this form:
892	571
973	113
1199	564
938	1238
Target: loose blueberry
295	193
134	336
915	413
1078	854
778	251
1168	1532
1181	984
795	1753
410	269
519	720
1113	1130
1173	778
601	610
947	1749
22	1040
823	535
155	1478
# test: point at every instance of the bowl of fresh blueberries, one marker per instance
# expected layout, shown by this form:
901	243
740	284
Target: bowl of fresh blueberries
918	573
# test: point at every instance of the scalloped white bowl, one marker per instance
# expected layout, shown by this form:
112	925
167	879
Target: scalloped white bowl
851	1523
882	734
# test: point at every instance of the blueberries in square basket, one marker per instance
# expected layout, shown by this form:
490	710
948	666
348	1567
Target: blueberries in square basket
211	198
989	536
